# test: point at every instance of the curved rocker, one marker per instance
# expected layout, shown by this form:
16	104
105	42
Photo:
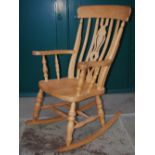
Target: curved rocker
92	137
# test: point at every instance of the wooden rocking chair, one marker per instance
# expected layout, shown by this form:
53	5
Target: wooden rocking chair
91	72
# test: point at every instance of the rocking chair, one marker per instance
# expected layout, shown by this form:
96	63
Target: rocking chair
91	72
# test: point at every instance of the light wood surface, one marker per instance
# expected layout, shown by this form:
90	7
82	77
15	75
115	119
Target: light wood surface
96	55
51	52
59	112
87	64
86	121
45	69
110	55
86	40
105	11
45	121
81	82
84	44
66	89
93	38
76	49
80	113
93	136
57	67
107	40
38	105
70	126
100	110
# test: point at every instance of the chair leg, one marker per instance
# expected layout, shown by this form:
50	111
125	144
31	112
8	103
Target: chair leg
70	126
100	110
38	105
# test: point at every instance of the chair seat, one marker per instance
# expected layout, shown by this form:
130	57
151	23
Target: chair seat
66	89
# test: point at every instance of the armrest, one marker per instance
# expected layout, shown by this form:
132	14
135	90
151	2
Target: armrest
51	52
85	65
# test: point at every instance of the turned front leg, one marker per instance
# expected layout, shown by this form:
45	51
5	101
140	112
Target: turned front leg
70	126
100	110
38	105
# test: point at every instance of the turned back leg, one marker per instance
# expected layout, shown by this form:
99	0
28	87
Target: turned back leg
38	104
100	110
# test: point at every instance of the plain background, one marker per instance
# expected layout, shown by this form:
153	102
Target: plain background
145	77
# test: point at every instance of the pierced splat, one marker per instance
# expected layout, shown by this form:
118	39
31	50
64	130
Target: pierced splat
97	43
99	40
90	73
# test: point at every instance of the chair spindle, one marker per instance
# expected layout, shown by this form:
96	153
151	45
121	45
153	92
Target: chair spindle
45	69
93	80
92	42
107	41
81	81
57	67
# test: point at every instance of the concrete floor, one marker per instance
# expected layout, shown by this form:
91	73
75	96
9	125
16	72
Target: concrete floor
112	103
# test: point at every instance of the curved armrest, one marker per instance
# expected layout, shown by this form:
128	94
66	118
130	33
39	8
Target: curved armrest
51	52
47	53
85	65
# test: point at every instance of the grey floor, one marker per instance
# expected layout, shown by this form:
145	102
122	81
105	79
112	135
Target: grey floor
112	103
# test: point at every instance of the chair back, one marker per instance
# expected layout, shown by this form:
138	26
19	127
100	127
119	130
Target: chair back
107	24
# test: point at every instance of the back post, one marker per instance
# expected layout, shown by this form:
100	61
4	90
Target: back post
72	63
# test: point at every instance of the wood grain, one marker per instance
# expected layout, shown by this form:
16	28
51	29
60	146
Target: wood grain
105	11
76	49
93	136
45	69
100	110
86	121
51	52
70	126
91	72
66	89
57	67
38	104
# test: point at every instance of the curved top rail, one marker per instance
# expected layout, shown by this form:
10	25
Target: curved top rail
104	11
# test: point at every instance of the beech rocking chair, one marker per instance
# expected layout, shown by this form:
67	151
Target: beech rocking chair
91	72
